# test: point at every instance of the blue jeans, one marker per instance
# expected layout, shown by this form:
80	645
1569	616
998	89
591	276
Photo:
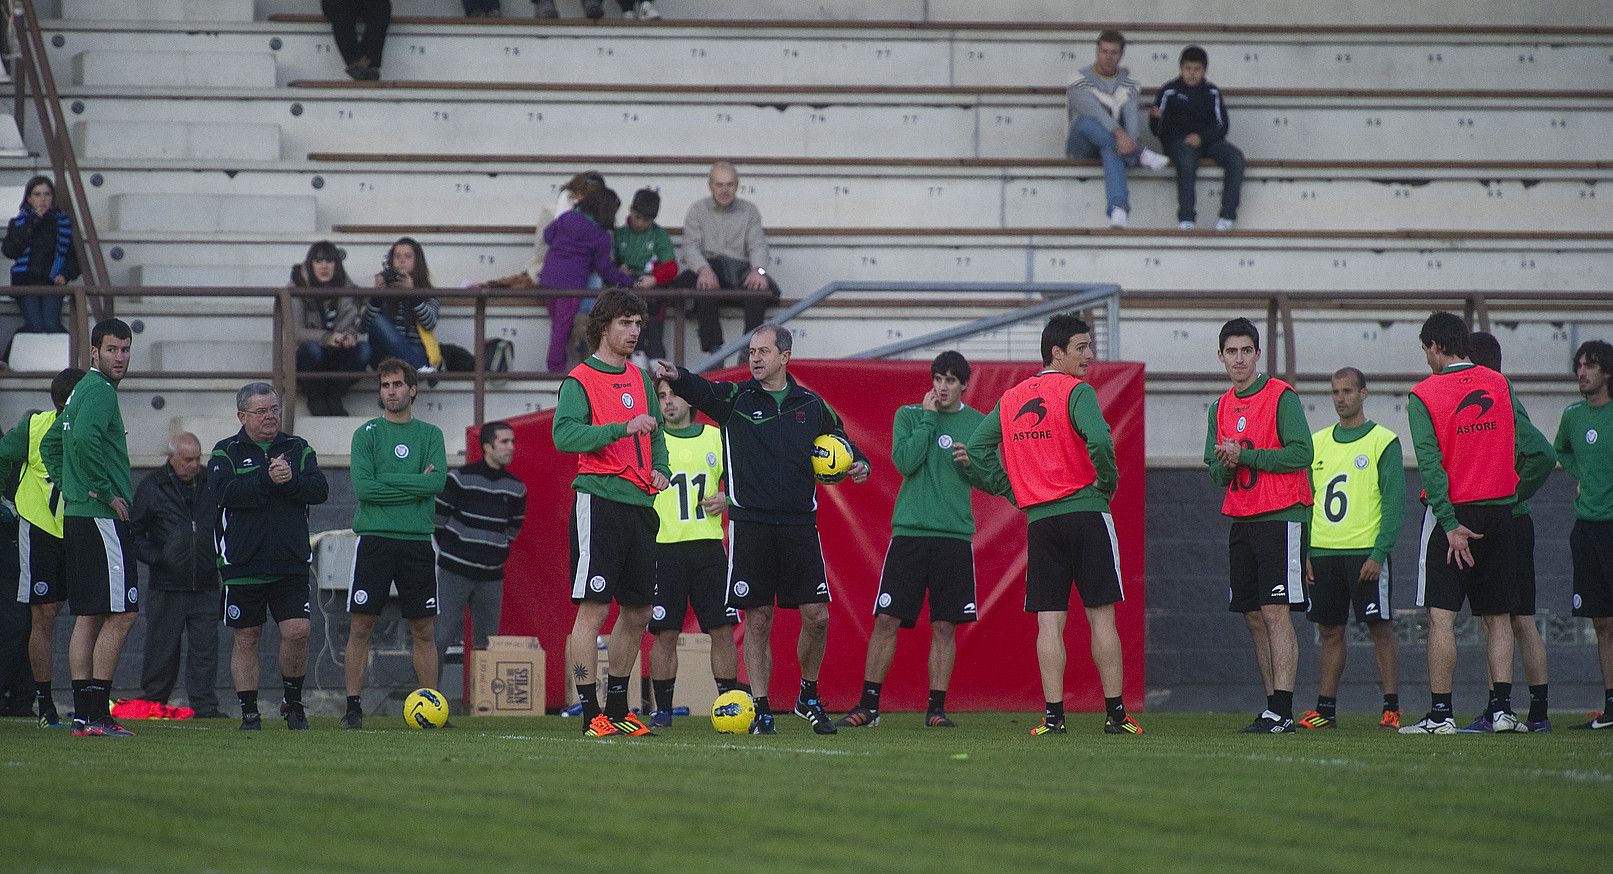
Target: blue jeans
1186	160
1088	138
386	341
41	314
313	356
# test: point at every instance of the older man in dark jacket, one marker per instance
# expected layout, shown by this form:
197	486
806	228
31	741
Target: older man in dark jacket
173	535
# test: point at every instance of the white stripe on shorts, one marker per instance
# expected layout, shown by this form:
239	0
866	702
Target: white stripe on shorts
1114	551
116	580
728	583
583	512
25	557
1422	555
1384	610
352	572
1296	565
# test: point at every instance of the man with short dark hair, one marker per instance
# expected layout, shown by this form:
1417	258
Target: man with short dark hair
1358	479
1585	447
264	480
931	549
172	524
479	513
1257	445
399	466
1060	460
769	424
42	582
87	451
1104	122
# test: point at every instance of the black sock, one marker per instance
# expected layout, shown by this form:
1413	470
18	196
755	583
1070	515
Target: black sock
1283	699
726	684
81	706
615	697
1271	702
249	701
588	693
1115	708
663	693
763	706
809	690
1501	695
42	698
1537	702
354	705
1607	703
1054	711
938	701
1328	707
1441	708
1391	702
100	701
870	699
291	689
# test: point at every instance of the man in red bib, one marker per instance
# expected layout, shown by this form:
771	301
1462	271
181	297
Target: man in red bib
1464	429
609	415
1060	462
1258	446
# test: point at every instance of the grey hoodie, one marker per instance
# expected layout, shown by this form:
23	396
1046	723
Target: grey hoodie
1112	101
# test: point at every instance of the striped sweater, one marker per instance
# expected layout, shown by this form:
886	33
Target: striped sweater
479	512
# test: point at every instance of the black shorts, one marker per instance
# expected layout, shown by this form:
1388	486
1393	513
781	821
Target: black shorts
1078	548
44	565
102	574
943	566
379	563
691	574
1483	586
1267	560
1523	565
612	551
247	606
775	564
1591	545
1338	585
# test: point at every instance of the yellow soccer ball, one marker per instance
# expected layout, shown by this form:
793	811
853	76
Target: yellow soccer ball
732	712
425	708
831	458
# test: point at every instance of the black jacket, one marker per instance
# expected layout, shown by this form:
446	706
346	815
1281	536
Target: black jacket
1187	110
172	523
41	247
767	446
263	527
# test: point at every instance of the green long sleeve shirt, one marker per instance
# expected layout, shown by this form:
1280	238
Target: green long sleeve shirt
1533	460
87	450
1295	454
986	469
575	431
396	495
1391	489
1584	446
636	249
934	498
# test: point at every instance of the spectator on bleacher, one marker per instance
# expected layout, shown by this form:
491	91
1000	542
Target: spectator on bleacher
570	194
644	249
1191	120
579	243
361	54
1105	122
404	327
632	10
330	334
40	242
724	246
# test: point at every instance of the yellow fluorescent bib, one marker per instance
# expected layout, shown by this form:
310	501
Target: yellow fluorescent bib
1344	480
697	470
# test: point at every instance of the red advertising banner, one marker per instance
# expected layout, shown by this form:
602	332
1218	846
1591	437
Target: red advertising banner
996	664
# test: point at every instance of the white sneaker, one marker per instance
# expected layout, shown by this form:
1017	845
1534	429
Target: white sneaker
1185	226
646	11
1118	218
1429	726
1502	721
1223	224
1153	160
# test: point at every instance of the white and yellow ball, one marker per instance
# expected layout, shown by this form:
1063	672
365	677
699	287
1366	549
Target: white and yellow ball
425	708
831	458
733	712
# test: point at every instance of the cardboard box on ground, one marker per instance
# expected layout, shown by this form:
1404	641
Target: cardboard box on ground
507	678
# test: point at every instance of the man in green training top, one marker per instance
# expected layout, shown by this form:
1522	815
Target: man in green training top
87	451
931	547
1585	447
399	465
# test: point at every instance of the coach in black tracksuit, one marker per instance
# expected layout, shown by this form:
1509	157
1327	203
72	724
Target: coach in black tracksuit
769	423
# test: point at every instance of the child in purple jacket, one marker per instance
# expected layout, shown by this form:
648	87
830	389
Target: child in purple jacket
579	245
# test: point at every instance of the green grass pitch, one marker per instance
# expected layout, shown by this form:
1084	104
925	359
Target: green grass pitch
532	794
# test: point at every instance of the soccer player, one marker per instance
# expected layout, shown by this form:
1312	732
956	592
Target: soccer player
399	465
1534	461
1359	486
931	540
1464	429
769	423
41	585
1258	445
1585	447
1060	462
609	415
691	567
264	481
87	452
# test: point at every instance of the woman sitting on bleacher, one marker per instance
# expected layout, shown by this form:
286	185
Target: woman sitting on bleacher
329	336
404	327
40	242
579	245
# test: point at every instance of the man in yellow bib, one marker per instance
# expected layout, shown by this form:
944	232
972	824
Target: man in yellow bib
1359	480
